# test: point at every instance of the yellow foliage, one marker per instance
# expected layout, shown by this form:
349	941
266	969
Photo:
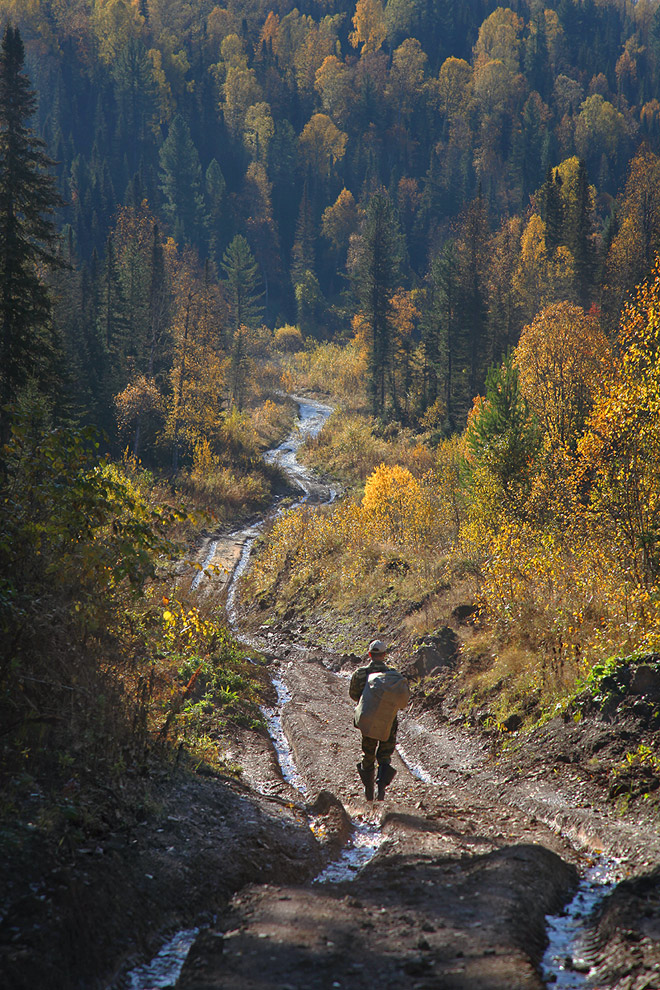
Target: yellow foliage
394	503
337	370
288	338
369	26
562	358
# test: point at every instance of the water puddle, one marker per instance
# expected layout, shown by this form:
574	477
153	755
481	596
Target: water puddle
230	606
278	736
164	969
564	965
363	845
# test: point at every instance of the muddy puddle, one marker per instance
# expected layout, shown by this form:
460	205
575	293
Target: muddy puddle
164	969
565	965
277	734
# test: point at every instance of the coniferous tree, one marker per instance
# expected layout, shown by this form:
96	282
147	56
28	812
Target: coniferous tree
215	189
28	199
473	346
110	345
552	210
181	185
243	283
579	230
438	327
377	275
302	254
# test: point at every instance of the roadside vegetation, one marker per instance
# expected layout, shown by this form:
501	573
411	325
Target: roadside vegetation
541	516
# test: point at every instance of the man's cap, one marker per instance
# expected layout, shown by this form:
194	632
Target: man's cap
378	646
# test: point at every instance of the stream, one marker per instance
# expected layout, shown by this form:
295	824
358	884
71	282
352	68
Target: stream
563	966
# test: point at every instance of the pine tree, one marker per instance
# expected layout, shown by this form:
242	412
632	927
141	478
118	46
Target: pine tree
181	185
377	275
243	283
28	199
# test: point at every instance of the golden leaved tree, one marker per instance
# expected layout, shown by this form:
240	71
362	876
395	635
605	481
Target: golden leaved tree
369	26
621	447
562	358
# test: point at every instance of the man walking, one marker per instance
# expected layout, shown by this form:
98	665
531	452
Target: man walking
379	697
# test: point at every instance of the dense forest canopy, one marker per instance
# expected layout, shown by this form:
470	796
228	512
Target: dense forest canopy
255	137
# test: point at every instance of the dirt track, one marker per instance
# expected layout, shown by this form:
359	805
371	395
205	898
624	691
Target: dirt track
458	891
474	855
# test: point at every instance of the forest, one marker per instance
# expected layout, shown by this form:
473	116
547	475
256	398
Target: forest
240	166
442	217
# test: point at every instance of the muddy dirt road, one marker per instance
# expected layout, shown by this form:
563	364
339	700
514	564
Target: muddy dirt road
468	864
445	884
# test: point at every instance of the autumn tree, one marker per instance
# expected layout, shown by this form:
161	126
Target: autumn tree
637	240
369	27
561	358
28	200
340	220
620	450
322	144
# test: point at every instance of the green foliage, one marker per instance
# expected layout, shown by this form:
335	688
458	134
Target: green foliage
28	199
502	439
243	283
181	184
377	273
80	540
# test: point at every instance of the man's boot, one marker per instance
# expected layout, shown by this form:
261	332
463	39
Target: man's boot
367	777
386	774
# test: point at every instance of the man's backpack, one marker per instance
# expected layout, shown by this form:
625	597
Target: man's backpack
385	693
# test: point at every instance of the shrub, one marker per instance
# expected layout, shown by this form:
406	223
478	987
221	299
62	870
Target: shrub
288	339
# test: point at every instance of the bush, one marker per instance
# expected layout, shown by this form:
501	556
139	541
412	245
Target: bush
288	339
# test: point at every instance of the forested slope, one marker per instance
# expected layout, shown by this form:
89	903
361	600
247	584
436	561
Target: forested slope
499	138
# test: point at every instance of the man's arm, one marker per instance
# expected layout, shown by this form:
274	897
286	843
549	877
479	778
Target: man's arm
358	680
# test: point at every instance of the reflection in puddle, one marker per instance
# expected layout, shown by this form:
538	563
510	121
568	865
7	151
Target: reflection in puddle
164	969
279	739
564	965
416	769
361	848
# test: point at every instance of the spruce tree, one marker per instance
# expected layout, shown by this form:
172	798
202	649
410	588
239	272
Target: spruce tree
28	199
377	276
579	231
182	186
243	283
438	325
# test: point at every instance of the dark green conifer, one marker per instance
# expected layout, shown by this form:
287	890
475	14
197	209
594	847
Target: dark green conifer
181	185
28	199
376	280
243	284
